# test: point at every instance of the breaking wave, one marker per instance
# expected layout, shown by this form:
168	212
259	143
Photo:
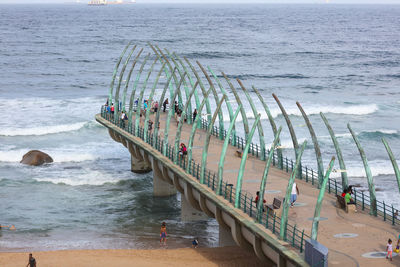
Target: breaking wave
43	130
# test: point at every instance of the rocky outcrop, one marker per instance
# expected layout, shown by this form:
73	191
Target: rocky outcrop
36	158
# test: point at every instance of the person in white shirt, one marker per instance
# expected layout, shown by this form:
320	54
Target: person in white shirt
293	196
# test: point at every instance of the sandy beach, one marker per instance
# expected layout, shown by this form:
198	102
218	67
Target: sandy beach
223	256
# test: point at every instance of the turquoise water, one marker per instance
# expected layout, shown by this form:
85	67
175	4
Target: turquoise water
56	65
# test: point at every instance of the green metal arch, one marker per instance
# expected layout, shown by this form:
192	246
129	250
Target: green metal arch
170	112
110	96
207	140
371	186
291	130
157	119
393	160
121	75
220	113
185	85
202	89
146	120
166	70
139	106
273	126
345	182
265	175
134	88
320	163
318	206
180	101
192	83
242	111
128	79
285	208
239	181
228	105
259	125
180	123
223	151
194	128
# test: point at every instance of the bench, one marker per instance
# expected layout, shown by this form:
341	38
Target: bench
239	154
341	203
275	207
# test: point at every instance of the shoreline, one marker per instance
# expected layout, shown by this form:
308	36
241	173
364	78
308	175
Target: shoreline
183	257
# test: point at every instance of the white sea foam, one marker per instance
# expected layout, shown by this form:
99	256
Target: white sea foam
313	110
57	155
378	167
42	130
91	177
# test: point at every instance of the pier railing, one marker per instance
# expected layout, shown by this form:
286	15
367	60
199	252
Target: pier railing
295	237
385	211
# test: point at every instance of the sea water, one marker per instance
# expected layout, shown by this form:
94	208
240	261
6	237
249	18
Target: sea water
56	64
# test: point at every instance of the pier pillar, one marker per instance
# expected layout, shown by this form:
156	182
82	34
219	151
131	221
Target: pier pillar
188	213
225	237
161	188
138	164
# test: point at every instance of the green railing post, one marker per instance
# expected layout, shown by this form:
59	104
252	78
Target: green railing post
301	242
363	202
384	211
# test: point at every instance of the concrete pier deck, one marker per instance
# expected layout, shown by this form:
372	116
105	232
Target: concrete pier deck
347	235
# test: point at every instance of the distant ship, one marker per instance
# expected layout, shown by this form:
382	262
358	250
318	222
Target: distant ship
105	2
97	2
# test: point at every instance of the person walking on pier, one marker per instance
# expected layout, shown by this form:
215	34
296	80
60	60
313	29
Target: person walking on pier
293	196
194	114
164	104
163	234
389	249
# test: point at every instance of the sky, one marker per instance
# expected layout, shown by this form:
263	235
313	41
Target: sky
219	1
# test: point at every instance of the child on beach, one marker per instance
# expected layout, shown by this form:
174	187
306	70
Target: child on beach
389	249
195	243
163	234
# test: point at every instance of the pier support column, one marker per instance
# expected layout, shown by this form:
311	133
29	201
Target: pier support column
161	188
138	164
188	213
225	237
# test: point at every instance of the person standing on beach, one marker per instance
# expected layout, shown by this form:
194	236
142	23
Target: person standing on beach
293	196
163	234
31	261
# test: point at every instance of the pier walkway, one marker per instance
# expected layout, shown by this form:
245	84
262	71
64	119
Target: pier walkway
348	236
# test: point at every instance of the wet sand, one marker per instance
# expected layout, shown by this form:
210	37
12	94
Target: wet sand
224	256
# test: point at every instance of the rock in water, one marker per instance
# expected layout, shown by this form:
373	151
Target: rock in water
36	158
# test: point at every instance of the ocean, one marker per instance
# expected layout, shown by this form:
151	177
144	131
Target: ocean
56	65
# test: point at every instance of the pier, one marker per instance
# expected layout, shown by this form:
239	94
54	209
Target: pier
222	171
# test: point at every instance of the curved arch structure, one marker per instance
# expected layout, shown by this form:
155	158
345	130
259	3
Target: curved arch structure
259	126
265	175
152	151
292	132
345	182
273	126
243	163
393	160
320	164
242	111
371	186
110	99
